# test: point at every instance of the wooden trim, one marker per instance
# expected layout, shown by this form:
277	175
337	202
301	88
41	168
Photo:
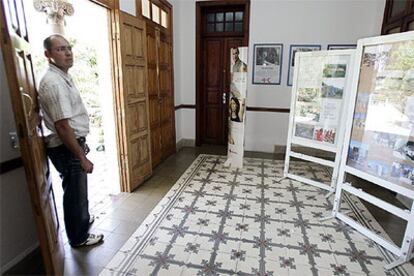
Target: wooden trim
199	78
11	165
187	106
249	108
268	109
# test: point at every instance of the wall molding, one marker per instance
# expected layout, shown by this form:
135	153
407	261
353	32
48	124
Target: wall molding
11	165
19	257
249	108
187	106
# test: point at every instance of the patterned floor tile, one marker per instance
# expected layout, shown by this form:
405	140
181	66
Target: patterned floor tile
220	221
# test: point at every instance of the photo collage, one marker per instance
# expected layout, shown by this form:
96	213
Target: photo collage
319	98
382	137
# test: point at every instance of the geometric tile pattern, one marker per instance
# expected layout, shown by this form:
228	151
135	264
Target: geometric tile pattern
221	221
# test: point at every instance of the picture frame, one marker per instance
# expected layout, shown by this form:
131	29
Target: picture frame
341	46
267	63
298	48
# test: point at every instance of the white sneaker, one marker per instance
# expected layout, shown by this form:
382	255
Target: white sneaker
92	239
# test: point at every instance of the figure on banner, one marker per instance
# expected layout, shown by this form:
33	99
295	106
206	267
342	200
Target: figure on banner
238	65
235	110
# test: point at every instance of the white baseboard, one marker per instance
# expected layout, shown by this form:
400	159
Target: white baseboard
185	143
19	257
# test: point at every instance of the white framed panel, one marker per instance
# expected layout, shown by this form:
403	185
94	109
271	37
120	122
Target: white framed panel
320	94
380	132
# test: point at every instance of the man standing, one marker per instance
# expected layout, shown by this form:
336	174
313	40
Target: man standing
67	120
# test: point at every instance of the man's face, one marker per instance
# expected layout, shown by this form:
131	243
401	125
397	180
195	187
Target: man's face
60	53
235	55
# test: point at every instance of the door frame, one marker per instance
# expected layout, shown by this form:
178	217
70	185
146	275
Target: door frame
200	6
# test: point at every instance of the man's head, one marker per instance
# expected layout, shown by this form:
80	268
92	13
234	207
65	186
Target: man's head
235	54
58	51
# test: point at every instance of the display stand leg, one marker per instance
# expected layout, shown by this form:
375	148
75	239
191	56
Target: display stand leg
328	195
396	263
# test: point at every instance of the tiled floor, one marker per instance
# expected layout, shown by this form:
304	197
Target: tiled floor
118	215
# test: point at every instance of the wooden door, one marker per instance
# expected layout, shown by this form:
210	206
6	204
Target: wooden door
134	133
160	91
19	69
220	26
216	87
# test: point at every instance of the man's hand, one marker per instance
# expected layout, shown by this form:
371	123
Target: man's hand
86	165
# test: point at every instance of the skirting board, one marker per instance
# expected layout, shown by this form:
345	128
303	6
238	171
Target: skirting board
185	143
19	258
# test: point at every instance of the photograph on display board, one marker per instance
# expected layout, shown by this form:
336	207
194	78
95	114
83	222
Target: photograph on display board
304	131
293	50
308	112
384	113
267	63
236	109
308	95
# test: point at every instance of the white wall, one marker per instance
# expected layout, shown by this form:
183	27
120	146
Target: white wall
18	232
278	21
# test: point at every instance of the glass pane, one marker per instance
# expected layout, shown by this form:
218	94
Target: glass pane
239	16
155	13
229	16
398	6
210	17
229	27
411	26
219	17
146	8
238	27
394	30
210	28
219	27
164	21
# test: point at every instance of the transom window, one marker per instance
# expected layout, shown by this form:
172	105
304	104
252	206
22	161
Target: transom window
155	13
229	21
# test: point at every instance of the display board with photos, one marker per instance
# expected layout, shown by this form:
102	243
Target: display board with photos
379	144
319	89
297	48
320	94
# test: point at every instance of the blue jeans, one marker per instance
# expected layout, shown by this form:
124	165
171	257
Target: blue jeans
75	192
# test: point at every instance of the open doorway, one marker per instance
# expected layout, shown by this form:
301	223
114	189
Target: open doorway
87	30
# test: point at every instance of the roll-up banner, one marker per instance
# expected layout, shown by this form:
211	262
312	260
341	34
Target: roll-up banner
237	106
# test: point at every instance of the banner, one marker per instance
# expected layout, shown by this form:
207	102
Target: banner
237	107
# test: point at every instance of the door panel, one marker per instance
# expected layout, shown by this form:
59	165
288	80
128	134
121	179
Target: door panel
161	98
20	76
135	136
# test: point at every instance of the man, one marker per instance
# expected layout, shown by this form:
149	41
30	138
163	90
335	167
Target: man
67	120
238	65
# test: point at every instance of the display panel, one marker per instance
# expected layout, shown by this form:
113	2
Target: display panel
382	136
320	85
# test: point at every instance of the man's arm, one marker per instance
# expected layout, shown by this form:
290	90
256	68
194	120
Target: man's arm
66	134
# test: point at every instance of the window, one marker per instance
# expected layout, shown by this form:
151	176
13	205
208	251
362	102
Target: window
164	17
155	14
146	8
229	21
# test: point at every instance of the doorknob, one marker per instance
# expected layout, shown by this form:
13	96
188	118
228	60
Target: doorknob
224	97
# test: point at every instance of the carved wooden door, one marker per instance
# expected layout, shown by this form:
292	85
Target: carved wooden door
160	90
134	134
19	69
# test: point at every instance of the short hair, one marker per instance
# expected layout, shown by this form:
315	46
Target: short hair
47	43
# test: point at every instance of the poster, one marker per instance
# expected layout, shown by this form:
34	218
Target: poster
267	63
382	136
293	50
320	88
237	107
